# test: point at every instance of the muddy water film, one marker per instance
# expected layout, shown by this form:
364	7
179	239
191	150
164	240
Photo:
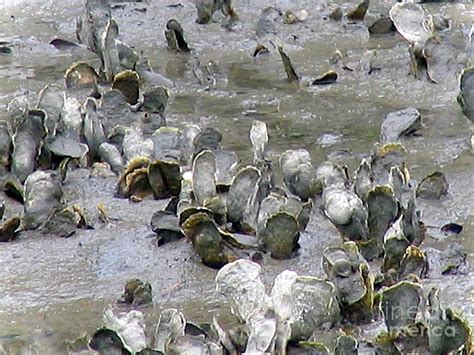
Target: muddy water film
55	290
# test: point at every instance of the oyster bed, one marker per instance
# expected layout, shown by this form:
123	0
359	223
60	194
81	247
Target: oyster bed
57	288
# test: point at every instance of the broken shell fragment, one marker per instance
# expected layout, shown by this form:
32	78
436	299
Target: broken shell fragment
64	222
110	154
171	326
433	186
174	35
327	78
382	25
259	139
127	82
137	292
289	69
466	93
109	52
9	228
93	128
166	226
442	60
400	123
359	12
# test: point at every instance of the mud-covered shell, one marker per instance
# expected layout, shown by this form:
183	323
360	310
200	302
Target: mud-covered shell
382	25
134	144
384	157
401	304
315	305
165	178
166	225
226	165
167	142
433	186
27	142
411	22
413	262
8	229
466	93
204	176
442	341
280	235
206	239
65	222
395	245
207	139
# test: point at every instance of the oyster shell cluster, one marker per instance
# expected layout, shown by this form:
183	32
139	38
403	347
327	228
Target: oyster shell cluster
114	118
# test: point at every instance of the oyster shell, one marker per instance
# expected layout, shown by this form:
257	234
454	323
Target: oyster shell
400	123
206	238
242	197
289	69
466	94
411	22
42	196
165	178
204	176
27	142
359	12
280	235
298	173
127	82
402	304
174	35
433	186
